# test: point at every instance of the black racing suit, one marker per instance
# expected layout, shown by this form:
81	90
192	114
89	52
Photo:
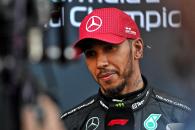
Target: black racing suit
151	110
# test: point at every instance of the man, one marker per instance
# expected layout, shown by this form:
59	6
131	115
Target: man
111	43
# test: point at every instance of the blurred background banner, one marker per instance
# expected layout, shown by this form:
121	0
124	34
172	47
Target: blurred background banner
36	55
151	15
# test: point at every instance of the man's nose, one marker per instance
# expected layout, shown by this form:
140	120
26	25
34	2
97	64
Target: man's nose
102	61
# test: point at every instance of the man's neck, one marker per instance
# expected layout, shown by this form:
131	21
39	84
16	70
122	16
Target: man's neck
134	84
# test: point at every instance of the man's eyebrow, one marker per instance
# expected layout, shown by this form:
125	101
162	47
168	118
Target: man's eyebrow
87	48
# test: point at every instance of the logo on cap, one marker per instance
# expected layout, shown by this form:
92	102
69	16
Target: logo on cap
92	123
93	23
130	31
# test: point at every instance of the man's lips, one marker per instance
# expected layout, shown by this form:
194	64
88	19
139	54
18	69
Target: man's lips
105	76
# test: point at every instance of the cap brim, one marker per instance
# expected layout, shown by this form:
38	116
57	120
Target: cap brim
109	38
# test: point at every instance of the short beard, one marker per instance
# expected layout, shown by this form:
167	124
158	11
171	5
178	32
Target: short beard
117	91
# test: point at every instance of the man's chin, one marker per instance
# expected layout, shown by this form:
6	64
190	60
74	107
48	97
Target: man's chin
115	91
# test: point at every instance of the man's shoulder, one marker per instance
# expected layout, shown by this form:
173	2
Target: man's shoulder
165	98
84	105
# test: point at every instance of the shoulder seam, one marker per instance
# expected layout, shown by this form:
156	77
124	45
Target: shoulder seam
77	108
170	101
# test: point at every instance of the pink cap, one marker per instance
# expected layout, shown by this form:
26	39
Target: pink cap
110	25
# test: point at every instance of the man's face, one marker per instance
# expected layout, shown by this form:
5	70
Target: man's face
110	65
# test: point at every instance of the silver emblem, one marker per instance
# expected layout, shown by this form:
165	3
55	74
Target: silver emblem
93	23
92	123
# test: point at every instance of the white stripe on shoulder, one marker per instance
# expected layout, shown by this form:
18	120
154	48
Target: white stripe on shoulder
178	104
77	108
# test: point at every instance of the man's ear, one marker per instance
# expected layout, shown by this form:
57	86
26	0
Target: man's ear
138	48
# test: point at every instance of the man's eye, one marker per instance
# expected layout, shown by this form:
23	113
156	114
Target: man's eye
110	47
89	53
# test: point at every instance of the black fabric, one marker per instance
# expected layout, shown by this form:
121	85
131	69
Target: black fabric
126	96
100	112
